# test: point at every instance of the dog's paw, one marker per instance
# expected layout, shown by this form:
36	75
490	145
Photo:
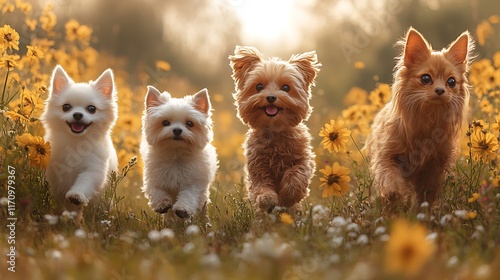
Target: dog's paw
183	214
162	207
267	201
77	198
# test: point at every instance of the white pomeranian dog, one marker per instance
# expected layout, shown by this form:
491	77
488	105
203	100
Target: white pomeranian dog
78	119
179	160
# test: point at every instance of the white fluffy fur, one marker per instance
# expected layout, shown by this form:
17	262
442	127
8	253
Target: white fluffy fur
79	162
177	172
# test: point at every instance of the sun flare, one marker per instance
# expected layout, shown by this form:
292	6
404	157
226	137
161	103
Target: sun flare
266	21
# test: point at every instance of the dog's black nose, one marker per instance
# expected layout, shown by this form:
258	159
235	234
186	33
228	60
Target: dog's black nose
77	116
177	131
271	98
439	90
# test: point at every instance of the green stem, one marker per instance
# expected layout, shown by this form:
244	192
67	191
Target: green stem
359	150
4	87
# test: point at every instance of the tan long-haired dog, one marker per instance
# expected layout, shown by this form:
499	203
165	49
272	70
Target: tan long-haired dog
272	98
415	137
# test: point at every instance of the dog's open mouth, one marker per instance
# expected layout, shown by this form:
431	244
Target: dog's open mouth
271	110
78	127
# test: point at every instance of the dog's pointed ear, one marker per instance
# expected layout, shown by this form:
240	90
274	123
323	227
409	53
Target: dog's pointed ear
154	97
243	60
459	52
105	84
201	101
307	64
60	81
416	48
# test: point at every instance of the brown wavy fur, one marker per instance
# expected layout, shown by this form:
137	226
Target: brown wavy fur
415	137
280	161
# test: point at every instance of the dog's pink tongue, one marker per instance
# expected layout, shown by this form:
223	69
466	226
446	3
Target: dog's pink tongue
271	110
77	126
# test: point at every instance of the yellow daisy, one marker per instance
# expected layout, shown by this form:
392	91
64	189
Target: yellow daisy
408	249
479	125
475	196
9	38
34	53
75	31
334	136
163	65
496	125
38	149
483	31
356	95
484	145
10	62
16	116
335	180
381	95
471	215
286	219
48	19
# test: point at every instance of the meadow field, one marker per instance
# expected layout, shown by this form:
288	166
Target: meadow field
341	232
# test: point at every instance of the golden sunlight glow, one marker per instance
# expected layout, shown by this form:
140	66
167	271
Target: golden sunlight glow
269	22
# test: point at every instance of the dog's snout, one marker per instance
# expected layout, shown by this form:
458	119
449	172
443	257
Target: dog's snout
177	131
77	116
271	98
439	90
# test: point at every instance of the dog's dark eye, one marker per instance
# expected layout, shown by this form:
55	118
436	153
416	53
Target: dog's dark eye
91	109
426	79
285	88
259	87
189	123
66	107
451	82
165	123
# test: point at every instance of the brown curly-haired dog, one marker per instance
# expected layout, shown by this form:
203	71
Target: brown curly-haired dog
415	137
272	98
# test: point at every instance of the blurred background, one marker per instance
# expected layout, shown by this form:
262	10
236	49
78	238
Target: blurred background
353	38
196	36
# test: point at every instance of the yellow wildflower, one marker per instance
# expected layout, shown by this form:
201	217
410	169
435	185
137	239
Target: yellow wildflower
8	8
24	7
286	219
38	149
381	95
34	53
335	180
484	145
9	38
486	106
16	116
479	125
496	125
31	23
359	65
356	95
75	31
483	31
471	215
494	19
496	59
162	65
408	249
475	196
10	62
335	136
48	19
